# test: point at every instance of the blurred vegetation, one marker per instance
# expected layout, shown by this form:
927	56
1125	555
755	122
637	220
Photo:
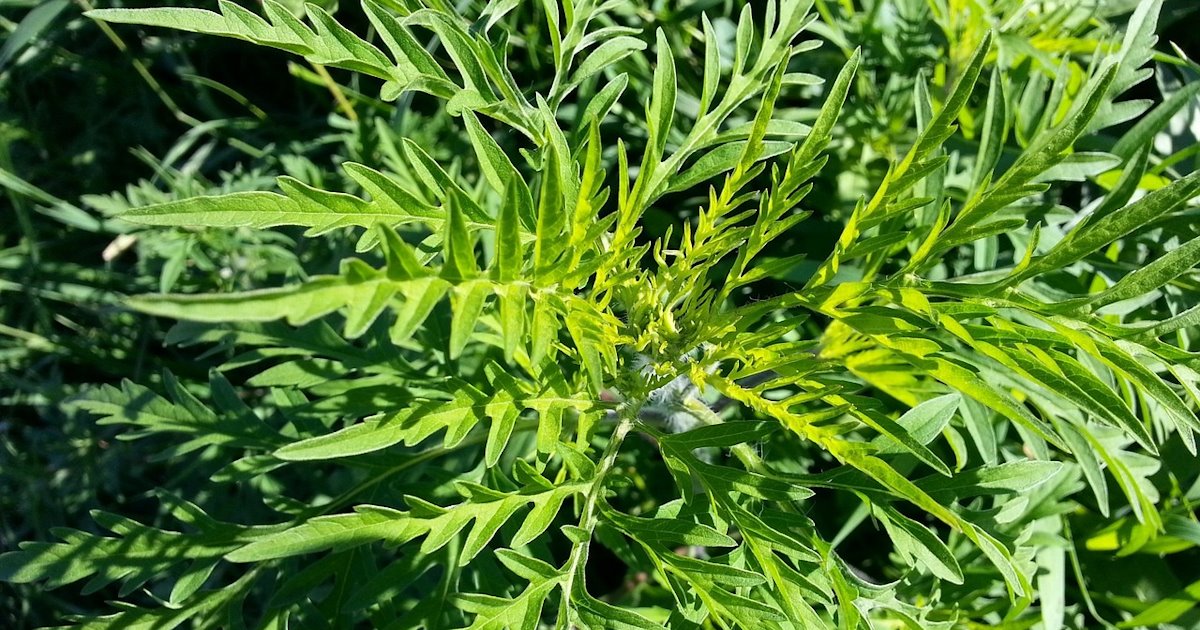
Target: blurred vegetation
96	119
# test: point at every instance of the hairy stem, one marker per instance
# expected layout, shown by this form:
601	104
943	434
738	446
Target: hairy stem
589	517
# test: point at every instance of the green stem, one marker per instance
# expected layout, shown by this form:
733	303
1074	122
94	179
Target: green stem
336	90
1078	570
590	516
142	70
29	237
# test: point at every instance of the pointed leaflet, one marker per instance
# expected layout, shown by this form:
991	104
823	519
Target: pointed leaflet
1143	132
503	419
368	524
551	212
995	130
404	47
605	55
419	300
363	290
342	47
753	148
1153	276
712	65
498	613
801	423
1091	236
1046	150
466	304
298	304
461	48
424	418
923	422
971	384
912	539
592	194
512	300
1089	462
942	125
662	99
301	204
483	510
440	184
878	470
458	246
496	166
898	435
327	43
723	159
507	265
1083	387
742	40
816	141
739	482
819	136
420	420
138	554
601	104
543	330
1135	51
666	531
145	413
361	313
402	261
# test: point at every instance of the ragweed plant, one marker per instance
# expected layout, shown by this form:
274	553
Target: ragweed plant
512	392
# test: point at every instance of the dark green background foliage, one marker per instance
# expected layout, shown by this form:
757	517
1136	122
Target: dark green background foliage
409	313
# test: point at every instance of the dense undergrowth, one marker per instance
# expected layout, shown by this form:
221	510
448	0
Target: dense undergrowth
807	314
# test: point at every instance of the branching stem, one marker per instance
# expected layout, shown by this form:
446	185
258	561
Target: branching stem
588	518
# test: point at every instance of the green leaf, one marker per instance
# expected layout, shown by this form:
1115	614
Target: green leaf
995	130
143	413
496	166
662	99
1167	610
1143	132
914	540
667	531
721	160
1008	478
712	65
371	523
466	304
923	422
326	43
940	127
606	55
1078	167
1045	151
139	554
458	246
597	614
320	211
722	435
497	613
1152	276
364	290
508	262
551	213
32	27
424	418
